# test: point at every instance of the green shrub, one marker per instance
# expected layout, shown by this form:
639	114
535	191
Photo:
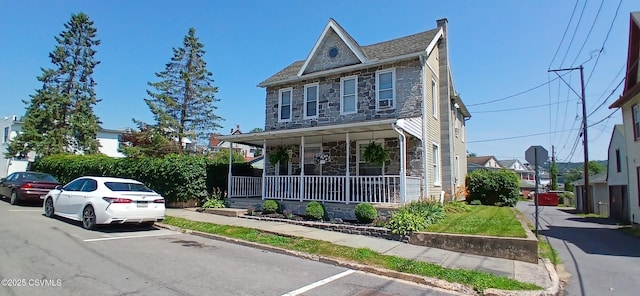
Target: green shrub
314	211
403	221
270	206
214	203
476	202
431	210
493	187
456	207
366	213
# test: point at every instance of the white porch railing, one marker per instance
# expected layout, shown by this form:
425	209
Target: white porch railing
245	186
371	189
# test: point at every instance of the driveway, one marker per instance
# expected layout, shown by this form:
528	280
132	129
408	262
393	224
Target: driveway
599	258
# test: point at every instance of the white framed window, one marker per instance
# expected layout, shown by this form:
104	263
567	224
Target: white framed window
364	168
385	89
635	114
434	97
311	98
348	94
436	165
5	135
285	105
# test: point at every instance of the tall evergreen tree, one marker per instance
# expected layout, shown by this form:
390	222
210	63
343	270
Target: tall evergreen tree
59	116
183	101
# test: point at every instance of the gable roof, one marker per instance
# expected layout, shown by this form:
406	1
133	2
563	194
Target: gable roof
480	160
346	38
507	163
632	81
403	47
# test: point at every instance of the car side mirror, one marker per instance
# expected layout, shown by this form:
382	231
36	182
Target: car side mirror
59	187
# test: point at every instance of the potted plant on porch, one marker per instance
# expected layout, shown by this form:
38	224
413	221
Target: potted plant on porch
375	153
280	154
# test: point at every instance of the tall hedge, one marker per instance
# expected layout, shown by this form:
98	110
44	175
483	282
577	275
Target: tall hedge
176	177
493	187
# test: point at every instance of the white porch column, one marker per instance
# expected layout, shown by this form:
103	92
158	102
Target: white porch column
301	155
347	194
229	181
403	161
425	180
264	168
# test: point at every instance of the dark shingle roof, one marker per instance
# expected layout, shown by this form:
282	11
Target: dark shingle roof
393	48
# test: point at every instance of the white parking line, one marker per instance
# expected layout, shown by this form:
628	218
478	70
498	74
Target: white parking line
40	210
123	237
319	283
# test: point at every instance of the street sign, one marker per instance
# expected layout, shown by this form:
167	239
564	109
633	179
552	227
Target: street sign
536	153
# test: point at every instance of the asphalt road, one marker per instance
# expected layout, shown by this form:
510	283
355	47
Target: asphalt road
43	256
599	259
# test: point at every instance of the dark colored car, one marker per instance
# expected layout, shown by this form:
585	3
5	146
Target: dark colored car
27	186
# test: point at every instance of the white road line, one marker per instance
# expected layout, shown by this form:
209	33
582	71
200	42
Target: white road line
40	210
123	237
319	283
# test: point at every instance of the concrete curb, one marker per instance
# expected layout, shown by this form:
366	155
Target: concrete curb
554	289
433	282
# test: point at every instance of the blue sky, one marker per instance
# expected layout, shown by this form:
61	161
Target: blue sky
497	48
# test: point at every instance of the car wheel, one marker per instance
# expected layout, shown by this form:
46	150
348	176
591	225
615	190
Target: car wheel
147	224
14	198
88	218
48	207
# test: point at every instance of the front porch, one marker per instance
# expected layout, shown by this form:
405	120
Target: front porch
337	189
341	175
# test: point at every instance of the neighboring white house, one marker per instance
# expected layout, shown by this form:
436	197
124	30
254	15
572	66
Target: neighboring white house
617	175
10	126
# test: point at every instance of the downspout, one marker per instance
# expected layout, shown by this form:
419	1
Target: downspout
264	168
425	181
403	160
229	182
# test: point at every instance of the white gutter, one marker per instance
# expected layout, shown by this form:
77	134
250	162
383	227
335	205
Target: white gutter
403	161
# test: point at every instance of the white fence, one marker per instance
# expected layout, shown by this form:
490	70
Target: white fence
371	189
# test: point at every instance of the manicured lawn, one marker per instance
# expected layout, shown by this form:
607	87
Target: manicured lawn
481	220
476	279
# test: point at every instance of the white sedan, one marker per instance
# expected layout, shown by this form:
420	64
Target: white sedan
105	200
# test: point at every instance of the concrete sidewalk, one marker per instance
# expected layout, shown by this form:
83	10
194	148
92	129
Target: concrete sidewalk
522	271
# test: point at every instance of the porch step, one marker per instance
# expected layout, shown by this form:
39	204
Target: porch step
226	212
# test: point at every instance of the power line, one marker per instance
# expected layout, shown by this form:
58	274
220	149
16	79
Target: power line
516	94
508	138
564	34
519	108
608	116
589	33
603	43
605	100
574	33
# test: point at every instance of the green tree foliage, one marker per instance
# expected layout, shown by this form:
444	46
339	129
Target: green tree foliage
59	116
183	101
554	176
222	157
500	187
147	142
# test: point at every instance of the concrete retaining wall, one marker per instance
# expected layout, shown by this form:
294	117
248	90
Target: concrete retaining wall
522	249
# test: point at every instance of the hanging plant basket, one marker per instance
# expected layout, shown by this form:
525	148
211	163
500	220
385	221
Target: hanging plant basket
281	154
321	158
375	153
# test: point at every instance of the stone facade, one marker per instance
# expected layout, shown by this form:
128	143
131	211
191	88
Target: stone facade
408	98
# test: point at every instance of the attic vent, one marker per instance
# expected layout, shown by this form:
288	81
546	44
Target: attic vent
333	52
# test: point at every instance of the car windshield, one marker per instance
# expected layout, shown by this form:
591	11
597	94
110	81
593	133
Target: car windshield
39	177
124	186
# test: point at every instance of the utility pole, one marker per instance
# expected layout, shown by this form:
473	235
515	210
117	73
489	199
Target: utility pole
586	204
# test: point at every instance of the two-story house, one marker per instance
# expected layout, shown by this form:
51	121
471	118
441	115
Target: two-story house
629	102
326	109
11	126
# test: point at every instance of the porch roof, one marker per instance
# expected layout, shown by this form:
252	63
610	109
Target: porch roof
335	132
